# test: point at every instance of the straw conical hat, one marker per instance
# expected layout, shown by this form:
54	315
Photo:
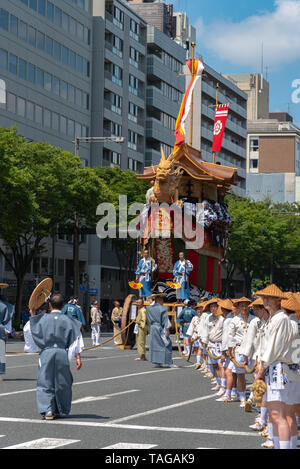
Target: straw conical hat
210	302
271	290
226	304
241	300
3	286
40	294
291	303
257	302
200	305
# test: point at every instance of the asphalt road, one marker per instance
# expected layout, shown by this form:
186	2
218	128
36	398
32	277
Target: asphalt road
122	403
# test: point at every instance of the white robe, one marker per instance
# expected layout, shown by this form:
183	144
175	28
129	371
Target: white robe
212	330
237	331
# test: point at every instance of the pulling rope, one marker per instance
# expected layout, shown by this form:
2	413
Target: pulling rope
211	355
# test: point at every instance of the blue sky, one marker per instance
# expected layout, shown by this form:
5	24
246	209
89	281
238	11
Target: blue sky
230	34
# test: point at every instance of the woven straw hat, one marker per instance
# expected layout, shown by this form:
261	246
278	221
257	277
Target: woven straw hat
257	302
40	294
291	303
271	290
241	300
158	295
200	305
3	286
226	304
210	302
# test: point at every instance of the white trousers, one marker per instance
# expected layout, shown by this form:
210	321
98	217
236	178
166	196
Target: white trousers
2	357
95	334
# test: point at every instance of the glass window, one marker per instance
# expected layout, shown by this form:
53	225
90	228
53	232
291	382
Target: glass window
49	46
78	97
57	16
86	68
40	77
65	21
80	31
3	19
40	40
72	25
72	56
65	55
254	144
39	114
11	103
50	10
47	81
23	31
31	36
55	121
63	89
86	35
42	7
13	64
14	25
57	50
3	59
55	85
63	125
71	94
33	4
47	118
21	107
22	69
71	128
77	129
31	73
30	110
79	63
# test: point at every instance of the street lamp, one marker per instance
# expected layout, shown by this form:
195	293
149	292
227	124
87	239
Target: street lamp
77	141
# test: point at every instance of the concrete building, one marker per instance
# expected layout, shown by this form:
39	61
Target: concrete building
273	160
257	89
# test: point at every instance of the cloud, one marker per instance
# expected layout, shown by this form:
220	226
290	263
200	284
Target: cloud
241	43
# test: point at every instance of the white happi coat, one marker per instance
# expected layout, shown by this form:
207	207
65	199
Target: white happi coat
212	330
237	331
193	327
251	345
200	328
225	333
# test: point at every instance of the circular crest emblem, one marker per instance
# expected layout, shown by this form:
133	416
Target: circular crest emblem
218	127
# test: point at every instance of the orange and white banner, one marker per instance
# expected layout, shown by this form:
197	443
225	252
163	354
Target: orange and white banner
185	107
219	127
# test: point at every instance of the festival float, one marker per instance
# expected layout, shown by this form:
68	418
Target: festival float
195	190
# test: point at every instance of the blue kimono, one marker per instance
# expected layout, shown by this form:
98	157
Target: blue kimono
181	272
184	319
144	270
54	333
6	314
160	346
73	312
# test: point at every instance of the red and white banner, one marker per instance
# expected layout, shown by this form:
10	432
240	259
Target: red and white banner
187	100
219	127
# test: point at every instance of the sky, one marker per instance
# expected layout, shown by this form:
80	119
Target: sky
232	33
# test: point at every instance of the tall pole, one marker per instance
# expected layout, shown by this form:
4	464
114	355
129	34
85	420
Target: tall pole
192	101
217	103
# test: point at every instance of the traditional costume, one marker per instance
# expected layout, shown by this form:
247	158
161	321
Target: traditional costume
73	312
116	315
59	339
181	272
160	346
145	267
143	330
96	317
6	315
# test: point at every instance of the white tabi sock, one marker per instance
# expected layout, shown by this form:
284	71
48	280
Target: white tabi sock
223	382
198	358
228	393
276	442
284	445
270	430
234	391
211	369
242	396
184	348
263	415
218	381
188	350
251	396
293	442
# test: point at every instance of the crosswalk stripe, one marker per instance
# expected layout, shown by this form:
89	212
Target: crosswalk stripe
43	443
104	397
129	446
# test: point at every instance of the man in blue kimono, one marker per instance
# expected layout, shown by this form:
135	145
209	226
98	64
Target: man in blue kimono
160	345
145	267
59	339
184	320
181	272
6	314
74	312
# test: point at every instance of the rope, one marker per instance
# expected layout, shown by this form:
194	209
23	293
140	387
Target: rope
211	355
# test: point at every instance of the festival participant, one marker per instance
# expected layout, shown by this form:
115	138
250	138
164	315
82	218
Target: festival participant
184	319
182	269
212	340
74	312
6	314
59	339
143	272
115	319
237	332
274	364
160	345
204	369
96	317
192	333
143	330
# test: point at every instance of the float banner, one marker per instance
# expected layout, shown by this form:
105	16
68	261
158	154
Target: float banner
219	128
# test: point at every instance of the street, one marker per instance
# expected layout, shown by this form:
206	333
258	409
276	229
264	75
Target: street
122	403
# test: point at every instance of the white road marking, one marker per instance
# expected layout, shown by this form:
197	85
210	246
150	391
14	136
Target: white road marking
43	443
110	378
162	409
129	446
130	427
104	397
